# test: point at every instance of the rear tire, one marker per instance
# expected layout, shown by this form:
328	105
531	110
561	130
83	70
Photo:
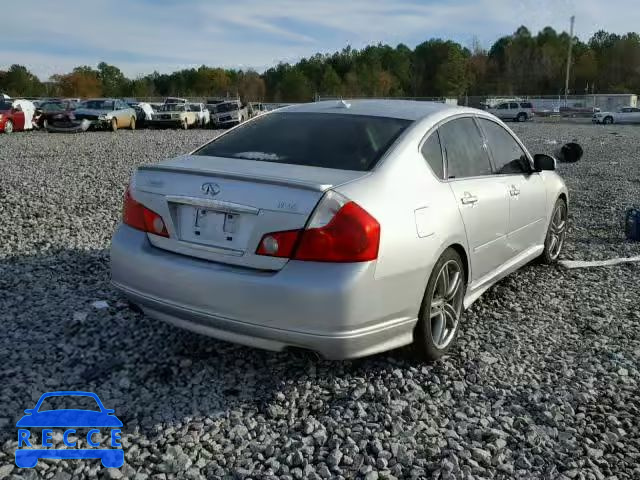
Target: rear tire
556	233
132	125
442	307
114	125
8	126
522	117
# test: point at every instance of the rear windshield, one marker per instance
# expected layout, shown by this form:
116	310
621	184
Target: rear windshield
342	141
526	105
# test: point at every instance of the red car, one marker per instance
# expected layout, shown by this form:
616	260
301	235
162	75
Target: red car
11	119
52	110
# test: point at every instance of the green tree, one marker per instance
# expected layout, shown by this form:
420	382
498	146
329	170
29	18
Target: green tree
20	82
112	80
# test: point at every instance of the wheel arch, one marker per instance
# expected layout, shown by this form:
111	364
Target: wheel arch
460	250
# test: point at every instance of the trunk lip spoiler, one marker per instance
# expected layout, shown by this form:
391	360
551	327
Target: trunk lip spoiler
313	186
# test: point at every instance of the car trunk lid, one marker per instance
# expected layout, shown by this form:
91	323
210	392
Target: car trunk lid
219	209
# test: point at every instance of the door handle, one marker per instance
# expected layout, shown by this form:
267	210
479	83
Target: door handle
469	199
514	191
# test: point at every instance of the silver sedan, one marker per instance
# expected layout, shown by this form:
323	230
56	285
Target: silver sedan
347	228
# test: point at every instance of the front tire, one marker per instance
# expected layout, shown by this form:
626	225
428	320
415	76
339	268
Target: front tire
132	125
607	120
114	125
556	233
8	126
522	117
442	306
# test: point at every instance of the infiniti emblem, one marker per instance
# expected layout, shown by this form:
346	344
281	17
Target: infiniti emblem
212	189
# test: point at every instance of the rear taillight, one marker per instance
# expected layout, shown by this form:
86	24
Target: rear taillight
339	231
140	217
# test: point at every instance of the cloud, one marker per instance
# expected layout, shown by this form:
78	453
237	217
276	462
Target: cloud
146	35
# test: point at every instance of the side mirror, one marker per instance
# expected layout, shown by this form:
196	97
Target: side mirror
543	161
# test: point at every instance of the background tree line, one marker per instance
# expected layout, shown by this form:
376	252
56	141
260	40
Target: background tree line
520	63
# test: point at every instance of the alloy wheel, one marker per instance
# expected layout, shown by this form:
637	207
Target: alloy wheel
557	231
446	304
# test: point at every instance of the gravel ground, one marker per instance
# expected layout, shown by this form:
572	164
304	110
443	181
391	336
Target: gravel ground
543	382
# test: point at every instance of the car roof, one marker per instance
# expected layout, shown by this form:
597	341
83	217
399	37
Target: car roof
404	109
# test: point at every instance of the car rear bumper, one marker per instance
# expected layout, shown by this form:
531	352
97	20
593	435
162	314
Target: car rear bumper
337	310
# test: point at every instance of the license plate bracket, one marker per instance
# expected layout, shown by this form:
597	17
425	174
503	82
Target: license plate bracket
208	226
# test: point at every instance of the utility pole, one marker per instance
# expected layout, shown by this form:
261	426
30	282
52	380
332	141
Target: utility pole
566	80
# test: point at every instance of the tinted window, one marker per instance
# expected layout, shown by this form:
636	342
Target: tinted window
462	146
432	152
503	106
513	105
526	105
343	141
508	156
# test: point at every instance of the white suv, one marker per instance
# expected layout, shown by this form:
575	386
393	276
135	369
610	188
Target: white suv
513	110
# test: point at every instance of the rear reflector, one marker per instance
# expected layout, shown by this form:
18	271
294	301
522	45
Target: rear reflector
339	231
137	216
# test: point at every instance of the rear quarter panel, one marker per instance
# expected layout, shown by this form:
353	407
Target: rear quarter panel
404	196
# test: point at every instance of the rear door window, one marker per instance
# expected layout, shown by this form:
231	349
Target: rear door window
526	105
513	105
508	156
341	141
463	149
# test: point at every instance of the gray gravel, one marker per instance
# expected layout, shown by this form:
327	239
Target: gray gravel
543	382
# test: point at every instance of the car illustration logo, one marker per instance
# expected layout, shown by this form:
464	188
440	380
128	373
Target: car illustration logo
27	456
212	189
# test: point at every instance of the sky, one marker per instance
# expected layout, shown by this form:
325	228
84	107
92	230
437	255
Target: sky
142	36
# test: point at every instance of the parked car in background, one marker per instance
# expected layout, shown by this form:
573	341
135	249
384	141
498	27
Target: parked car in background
50	109
623	115
212	102
204	117
174	115
257	109
515	110
12	117
352	227
175	100
228	113
111	113
144	113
